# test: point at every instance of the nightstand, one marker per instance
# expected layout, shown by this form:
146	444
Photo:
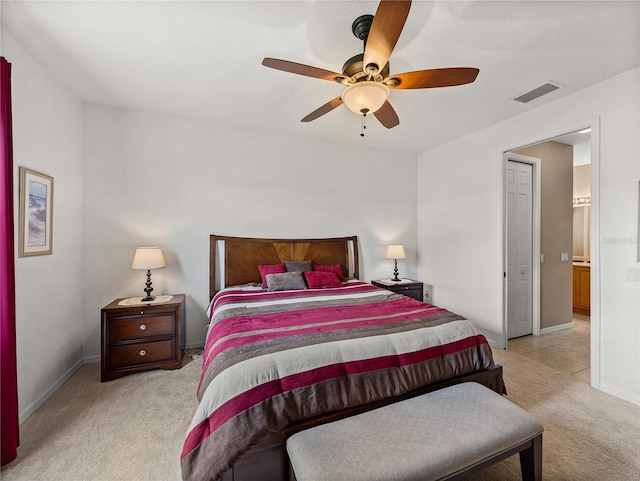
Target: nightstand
406	287
142	336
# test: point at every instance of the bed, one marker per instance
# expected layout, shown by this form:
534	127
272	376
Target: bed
279	359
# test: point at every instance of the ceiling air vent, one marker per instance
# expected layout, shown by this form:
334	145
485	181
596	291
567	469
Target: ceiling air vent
537	92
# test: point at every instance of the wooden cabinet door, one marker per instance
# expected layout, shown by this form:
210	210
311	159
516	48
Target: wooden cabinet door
582	290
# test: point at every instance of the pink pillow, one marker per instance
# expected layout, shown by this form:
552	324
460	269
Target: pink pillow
320	280
270	269
336	269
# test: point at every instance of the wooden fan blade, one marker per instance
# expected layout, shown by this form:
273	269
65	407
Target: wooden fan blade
386	28
387	116
437	77
301	69
326	108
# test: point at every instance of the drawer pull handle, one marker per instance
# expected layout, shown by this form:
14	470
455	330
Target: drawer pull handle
142	327
141	312
143	353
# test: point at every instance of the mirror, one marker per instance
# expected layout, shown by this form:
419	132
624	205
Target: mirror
581	229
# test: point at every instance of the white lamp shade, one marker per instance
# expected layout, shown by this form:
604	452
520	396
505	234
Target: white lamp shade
396	251
148	258
365	95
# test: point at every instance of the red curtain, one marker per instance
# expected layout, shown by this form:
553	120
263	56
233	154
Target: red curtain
8	371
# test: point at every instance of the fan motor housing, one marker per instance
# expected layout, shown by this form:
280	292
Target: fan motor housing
355	67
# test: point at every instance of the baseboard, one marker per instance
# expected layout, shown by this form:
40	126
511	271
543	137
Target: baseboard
559	327
494	344
625	396
40	400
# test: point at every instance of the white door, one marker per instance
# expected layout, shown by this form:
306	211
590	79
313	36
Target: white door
519	188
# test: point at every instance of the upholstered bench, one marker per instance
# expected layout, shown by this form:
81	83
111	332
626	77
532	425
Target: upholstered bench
446	434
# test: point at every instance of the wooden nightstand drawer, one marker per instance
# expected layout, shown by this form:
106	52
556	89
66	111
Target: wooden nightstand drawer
141	327
414	292
406	287
142	336
140	353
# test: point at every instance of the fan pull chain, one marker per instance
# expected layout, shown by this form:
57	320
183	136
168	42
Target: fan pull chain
364	121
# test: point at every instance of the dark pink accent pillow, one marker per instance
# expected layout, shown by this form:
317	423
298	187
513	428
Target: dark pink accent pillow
321	280
336	269
270	269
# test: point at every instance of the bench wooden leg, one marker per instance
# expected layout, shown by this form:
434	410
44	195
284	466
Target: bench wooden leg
531	460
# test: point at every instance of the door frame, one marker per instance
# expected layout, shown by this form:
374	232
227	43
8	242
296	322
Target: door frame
549	134
535	241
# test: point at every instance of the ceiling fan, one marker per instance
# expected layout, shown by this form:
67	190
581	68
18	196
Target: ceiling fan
366	75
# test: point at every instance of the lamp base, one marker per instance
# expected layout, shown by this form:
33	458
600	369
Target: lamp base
148	289
395	272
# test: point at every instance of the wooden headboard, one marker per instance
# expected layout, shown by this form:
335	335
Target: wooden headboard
239	257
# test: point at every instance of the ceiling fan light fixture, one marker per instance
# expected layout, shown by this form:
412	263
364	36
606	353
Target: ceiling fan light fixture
366	75
365	97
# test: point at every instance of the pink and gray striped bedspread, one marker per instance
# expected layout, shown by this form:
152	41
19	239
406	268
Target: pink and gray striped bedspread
274	358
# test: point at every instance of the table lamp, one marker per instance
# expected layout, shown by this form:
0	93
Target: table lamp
395	251
148	258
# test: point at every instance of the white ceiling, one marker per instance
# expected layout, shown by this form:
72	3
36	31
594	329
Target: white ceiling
203	59
580	137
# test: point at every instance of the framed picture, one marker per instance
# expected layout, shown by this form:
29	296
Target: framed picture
36	213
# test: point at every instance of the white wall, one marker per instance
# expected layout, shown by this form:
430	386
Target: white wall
169	181
460	219
47	137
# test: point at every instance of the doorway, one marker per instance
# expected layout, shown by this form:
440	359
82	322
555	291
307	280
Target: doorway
554	287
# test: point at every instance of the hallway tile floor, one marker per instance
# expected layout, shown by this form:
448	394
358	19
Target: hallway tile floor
567	351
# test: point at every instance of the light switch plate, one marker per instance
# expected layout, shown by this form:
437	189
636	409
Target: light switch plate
633	274
564	257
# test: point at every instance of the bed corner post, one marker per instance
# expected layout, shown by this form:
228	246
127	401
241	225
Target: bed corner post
356	262
212	265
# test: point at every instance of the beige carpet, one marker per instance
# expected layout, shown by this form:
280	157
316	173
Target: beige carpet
132	429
